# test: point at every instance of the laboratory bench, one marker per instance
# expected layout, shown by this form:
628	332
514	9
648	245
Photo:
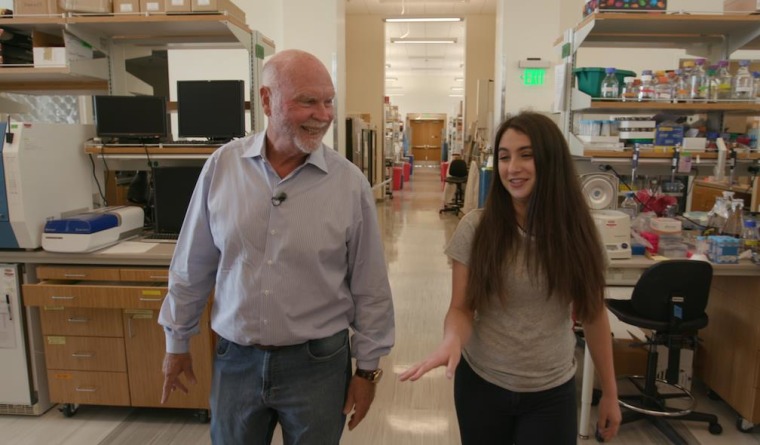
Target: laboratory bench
99	320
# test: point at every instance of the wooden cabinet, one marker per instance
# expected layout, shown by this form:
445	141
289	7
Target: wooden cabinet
704	194
103	343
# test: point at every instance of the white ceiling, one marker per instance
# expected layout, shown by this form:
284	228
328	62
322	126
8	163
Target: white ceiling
408	61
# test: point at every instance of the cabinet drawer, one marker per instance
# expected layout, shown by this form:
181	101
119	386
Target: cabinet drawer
58	320
77	273
158	274
94	296
85	353
89	388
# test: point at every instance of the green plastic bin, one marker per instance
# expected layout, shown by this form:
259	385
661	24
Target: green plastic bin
589	80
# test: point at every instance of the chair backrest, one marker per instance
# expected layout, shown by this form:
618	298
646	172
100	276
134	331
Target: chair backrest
684	278
458	168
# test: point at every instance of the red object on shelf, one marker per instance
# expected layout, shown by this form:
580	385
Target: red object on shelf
398	178
407	171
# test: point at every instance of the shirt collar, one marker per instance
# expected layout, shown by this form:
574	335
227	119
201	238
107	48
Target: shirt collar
255	149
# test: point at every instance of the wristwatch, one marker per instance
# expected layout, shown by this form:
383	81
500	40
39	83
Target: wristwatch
373	376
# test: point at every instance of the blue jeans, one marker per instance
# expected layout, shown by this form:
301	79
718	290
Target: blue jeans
491	415
303	387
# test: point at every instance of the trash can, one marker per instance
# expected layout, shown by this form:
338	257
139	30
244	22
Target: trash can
407	171
444	170
411	164
398	178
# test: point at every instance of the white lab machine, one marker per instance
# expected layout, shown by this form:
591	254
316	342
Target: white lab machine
45	175
93	230
615	231
24	387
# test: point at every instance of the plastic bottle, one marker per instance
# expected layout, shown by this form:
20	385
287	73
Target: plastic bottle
724	81
646	91
750	236
697	81
756	77
610	85
743	82
663	89
628	92
713	83
629	205
680	86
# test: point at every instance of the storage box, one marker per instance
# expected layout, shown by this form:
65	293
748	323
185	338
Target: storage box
668	135
152	6
92	6
36	7
747	6
178	5
628	360
222	6
52	50
593	6
589	80
126	6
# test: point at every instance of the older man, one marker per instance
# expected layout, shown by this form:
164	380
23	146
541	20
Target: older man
286	230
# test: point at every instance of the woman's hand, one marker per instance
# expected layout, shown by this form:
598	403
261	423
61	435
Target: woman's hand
448	354
609	417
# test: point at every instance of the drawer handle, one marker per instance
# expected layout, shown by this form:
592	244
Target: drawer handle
159	277
78	320
83	355
56	297
150	300
75	275
85	389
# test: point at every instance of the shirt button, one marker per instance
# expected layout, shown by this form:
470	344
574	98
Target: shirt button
270	262
266	292
273	231
266	321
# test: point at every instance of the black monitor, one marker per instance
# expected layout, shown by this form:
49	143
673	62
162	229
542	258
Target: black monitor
138	118
172	189
211	109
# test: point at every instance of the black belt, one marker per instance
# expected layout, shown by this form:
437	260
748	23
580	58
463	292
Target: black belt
267	347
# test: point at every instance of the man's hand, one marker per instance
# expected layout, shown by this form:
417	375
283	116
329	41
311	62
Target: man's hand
174	365
361	393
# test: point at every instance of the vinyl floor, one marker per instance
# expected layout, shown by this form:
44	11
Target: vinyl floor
420	413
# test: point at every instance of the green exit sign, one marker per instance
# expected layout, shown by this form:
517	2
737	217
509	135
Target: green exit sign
533	76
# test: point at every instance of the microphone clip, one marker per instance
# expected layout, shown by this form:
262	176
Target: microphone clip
279	199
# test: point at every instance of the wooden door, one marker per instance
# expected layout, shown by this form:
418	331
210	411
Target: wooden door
145	345
427	139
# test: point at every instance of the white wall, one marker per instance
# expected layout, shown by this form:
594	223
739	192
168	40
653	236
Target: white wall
422	97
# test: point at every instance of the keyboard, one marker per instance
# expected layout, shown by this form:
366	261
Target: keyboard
161	238
186	143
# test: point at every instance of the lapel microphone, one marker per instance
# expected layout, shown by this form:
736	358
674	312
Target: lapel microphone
279	198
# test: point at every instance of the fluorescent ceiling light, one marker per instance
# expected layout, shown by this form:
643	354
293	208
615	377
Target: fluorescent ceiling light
424	40
394	88
456	95
457	89
459	79
425	57
422	19
420	68
389	78
394	94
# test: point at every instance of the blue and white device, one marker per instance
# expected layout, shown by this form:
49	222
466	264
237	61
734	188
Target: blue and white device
92	230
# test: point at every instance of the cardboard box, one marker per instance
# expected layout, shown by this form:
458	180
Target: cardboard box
222	6
92	6
747	6
53	50
628	360
178	5
126	6
152	6
36	7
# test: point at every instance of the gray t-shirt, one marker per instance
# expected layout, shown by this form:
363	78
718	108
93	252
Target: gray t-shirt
525	344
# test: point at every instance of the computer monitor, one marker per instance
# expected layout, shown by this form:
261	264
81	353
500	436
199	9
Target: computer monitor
138	118
211	109
172	189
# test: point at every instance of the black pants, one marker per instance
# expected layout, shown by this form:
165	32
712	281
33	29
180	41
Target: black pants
491	415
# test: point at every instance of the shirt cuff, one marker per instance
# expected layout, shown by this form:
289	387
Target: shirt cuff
174	346
369	365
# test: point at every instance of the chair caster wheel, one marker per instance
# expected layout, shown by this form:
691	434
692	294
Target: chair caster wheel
68	409
743	425
715	429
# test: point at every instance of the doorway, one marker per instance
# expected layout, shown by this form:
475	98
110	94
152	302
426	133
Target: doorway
427	140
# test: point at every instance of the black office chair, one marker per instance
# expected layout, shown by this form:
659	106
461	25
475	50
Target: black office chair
457	175
669	299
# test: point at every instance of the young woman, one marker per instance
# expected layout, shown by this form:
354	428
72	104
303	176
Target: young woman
521	267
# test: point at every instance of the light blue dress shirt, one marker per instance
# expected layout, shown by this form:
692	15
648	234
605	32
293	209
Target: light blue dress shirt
282	274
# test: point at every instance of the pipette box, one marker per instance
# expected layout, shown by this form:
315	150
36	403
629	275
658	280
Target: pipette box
723	249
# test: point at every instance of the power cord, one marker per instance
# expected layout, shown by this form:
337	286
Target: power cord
608	167
95	177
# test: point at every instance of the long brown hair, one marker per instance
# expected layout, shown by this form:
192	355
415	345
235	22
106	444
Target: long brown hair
562	243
